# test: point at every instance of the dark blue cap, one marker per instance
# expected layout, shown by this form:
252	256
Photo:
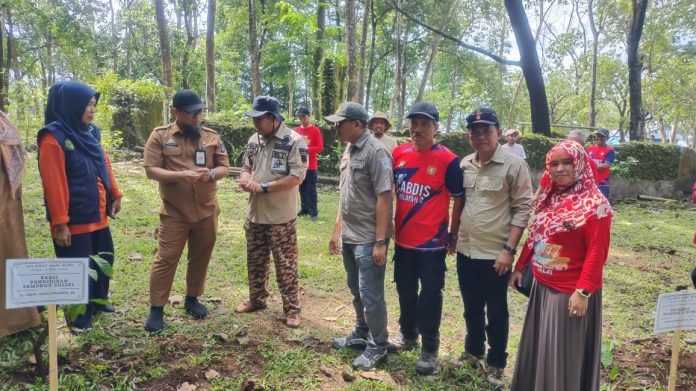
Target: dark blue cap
603	132
483	115
302	111
188	101
265	105
426	109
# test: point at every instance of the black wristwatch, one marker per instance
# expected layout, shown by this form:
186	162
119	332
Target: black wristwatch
583	292
509	249
381	242
264	186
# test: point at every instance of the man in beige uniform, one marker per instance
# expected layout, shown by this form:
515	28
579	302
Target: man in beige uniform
186	159
275	164
379	125
498	190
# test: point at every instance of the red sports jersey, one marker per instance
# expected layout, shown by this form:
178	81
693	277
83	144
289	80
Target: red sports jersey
424	182
603	154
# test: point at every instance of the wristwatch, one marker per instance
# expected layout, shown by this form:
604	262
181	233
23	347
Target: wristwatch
264	186
509	249
381	242
583	292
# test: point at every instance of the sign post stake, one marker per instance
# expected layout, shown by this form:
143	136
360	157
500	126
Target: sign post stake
52	349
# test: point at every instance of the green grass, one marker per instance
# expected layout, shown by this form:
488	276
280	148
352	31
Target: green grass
119	354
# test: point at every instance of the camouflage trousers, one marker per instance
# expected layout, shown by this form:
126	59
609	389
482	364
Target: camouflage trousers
281	240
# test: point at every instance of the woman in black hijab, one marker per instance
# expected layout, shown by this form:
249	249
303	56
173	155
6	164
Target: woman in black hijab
79	188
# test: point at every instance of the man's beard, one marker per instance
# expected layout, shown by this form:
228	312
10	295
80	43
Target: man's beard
190	131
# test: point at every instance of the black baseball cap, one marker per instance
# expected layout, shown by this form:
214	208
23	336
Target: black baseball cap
302	111
482	115
426	109
265	105
188	101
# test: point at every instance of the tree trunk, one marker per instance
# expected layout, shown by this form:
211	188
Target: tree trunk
318	55
3	71
593	70
635	67
363	52
453	95
291	96
529	60
663	133
352	90
190	43
433	53
373	22
164	47
254	51
673	133
393	108
210	58
114	40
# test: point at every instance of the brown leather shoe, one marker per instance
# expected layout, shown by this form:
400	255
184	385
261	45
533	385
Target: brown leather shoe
248	307
293	320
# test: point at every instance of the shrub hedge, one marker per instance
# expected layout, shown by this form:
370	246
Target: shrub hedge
634	160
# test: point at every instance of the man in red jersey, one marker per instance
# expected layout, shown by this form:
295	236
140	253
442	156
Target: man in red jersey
603	155
315	144
426	176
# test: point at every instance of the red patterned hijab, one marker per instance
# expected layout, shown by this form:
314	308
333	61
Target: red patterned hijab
564	210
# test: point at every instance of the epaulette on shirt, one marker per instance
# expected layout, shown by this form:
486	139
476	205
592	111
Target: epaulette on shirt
208	129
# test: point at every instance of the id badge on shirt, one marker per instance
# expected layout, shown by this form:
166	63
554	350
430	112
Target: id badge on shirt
199	158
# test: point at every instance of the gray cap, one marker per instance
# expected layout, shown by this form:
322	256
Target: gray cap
349	110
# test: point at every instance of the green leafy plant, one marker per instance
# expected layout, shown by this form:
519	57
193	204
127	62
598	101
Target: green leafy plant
607	359
72	311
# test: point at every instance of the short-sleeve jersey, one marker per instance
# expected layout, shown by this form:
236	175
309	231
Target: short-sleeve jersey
603	154
424	183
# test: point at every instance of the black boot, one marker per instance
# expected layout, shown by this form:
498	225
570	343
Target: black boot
195	308
155	321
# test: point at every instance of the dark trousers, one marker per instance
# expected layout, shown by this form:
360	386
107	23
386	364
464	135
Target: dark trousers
84	245
308	194
421	312
484	293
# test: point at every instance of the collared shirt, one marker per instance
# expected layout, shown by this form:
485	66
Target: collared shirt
515	149
498	196
269	159
170	149
366	171
389	142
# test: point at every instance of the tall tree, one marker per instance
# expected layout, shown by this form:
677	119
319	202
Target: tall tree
3	71
596	30
318	55
529	60
363	52
210	57
435	47
352	90
254	51
635	67
164	46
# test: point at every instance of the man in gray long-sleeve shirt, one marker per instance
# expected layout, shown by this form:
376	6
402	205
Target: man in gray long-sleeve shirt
364	225
498	192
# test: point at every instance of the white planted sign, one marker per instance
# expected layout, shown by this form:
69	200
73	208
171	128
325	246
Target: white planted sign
675	311
34	282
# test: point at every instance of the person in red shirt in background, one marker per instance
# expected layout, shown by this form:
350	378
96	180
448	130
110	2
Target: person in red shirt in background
315	144
568	244
604	156
79	188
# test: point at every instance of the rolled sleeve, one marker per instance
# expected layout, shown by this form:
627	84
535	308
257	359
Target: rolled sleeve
521	195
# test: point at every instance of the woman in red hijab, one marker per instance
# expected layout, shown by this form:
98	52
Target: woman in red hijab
568	244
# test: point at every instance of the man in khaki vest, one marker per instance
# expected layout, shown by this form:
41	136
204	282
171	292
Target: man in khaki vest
379	125
275	163
187	160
